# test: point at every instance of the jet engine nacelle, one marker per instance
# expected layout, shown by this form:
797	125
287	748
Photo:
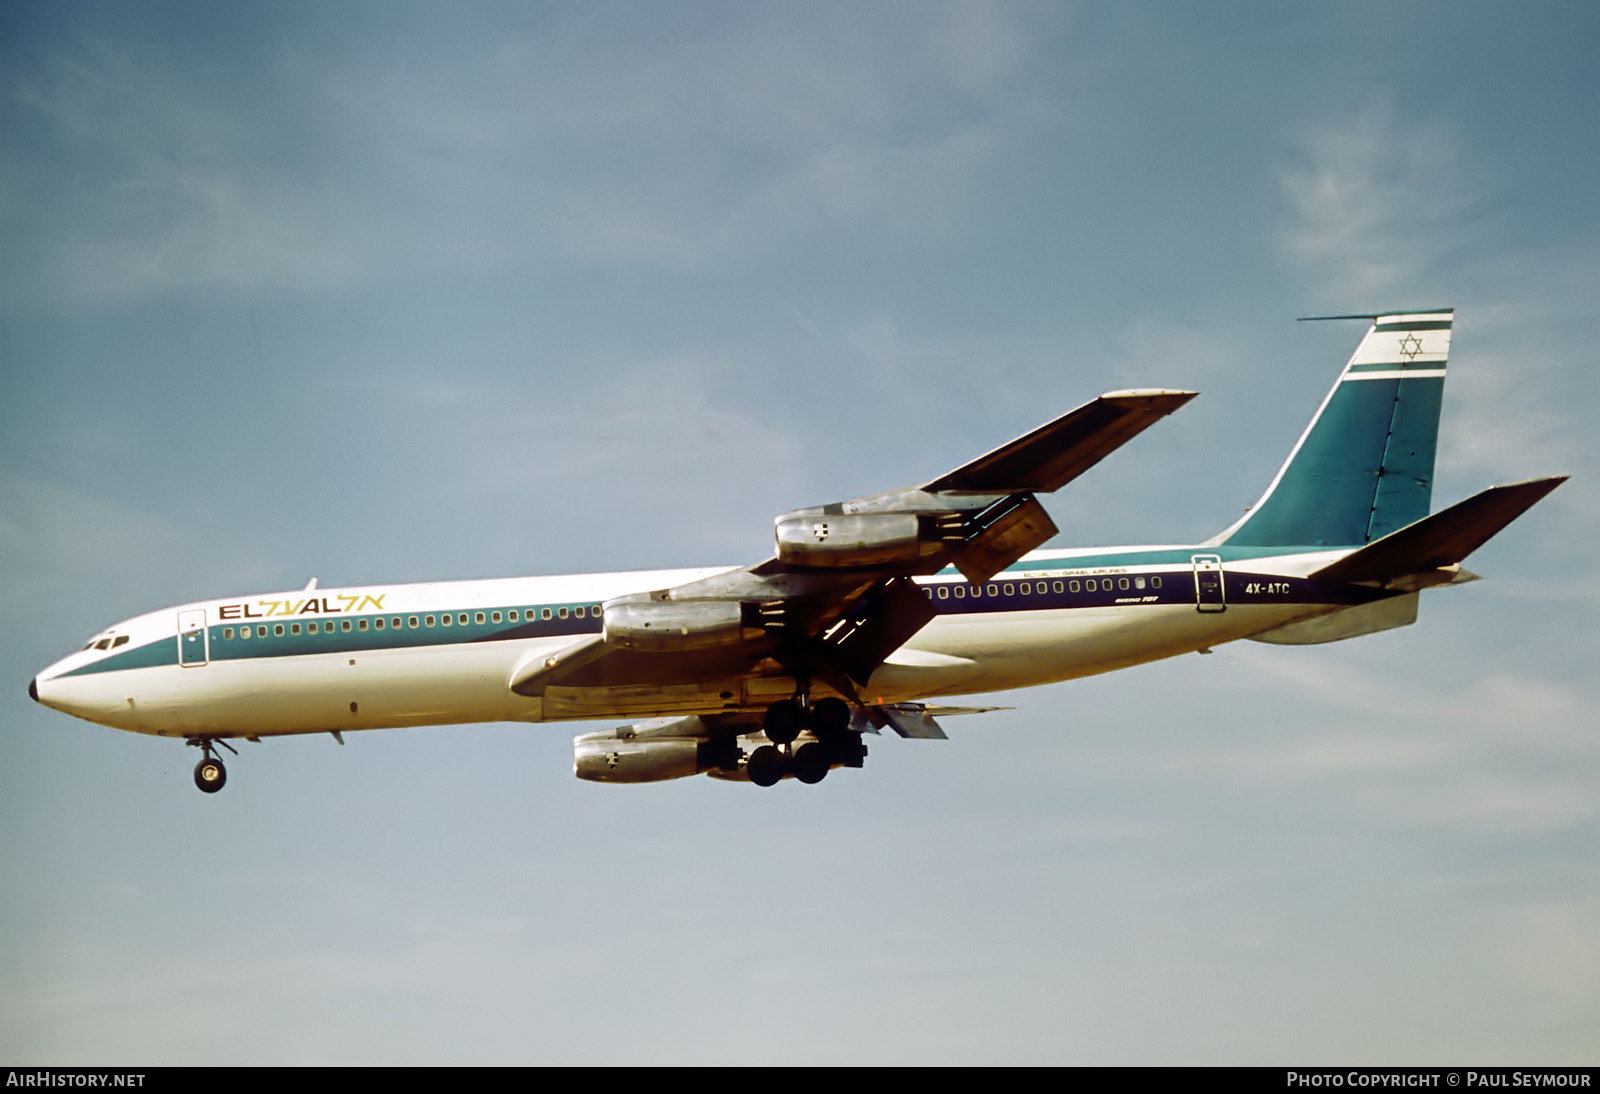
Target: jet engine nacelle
670	625
864	539
623	761
648	752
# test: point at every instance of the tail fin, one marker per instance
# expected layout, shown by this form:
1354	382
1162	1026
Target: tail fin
1364	466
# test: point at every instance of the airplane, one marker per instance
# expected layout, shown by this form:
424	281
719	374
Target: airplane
870	615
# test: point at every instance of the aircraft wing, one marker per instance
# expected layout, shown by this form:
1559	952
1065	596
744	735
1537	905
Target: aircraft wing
840	594
1058	452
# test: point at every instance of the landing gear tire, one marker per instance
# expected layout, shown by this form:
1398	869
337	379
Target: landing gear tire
784	721
766	765
210	775
811	762
830	715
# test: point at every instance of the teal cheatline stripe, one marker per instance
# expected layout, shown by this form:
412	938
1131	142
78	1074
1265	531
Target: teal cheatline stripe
1154	556
163	651
1401	366
1427	324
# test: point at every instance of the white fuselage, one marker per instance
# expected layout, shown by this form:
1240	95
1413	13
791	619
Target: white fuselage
324	660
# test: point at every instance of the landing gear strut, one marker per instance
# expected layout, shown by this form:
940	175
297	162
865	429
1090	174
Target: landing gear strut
209	774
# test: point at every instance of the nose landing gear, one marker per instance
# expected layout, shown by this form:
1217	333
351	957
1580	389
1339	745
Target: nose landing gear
209	774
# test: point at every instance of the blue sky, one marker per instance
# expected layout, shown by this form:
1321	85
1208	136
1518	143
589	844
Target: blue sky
405	292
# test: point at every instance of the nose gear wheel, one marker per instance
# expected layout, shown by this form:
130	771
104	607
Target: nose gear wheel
210	774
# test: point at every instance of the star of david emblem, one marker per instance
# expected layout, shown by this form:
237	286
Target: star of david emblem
1410	346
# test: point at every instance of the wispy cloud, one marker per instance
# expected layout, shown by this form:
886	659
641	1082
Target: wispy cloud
1554	947
1372	200
136	185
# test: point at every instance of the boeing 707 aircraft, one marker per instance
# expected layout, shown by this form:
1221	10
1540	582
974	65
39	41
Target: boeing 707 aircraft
870	614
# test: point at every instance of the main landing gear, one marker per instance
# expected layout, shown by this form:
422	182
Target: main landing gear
827	719
209	774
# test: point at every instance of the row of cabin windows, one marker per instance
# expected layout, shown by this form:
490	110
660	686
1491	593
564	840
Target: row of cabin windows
1033	588
412	622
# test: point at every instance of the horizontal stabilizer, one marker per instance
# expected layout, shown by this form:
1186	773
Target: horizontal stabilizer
1443	539
913	720
1059	451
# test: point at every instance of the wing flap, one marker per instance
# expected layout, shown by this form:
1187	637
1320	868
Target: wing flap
1020	526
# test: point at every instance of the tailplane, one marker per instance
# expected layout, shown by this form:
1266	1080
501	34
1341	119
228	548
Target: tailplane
1443	540
1364	466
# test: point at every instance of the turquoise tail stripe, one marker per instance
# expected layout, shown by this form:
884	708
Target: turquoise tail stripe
1364	467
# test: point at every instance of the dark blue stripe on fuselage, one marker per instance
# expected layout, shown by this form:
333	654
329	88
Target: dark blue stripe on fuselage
1119	590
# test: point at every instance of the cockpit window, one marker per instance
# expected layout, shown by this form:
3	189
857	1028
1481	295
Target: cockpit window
121	640
103	644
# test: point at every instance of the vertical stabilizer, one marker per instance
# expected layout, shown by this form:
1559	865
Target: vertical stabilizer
1364	466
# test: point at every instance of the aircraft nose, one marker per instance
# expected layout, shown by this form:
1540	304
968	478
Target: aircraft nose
33	689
